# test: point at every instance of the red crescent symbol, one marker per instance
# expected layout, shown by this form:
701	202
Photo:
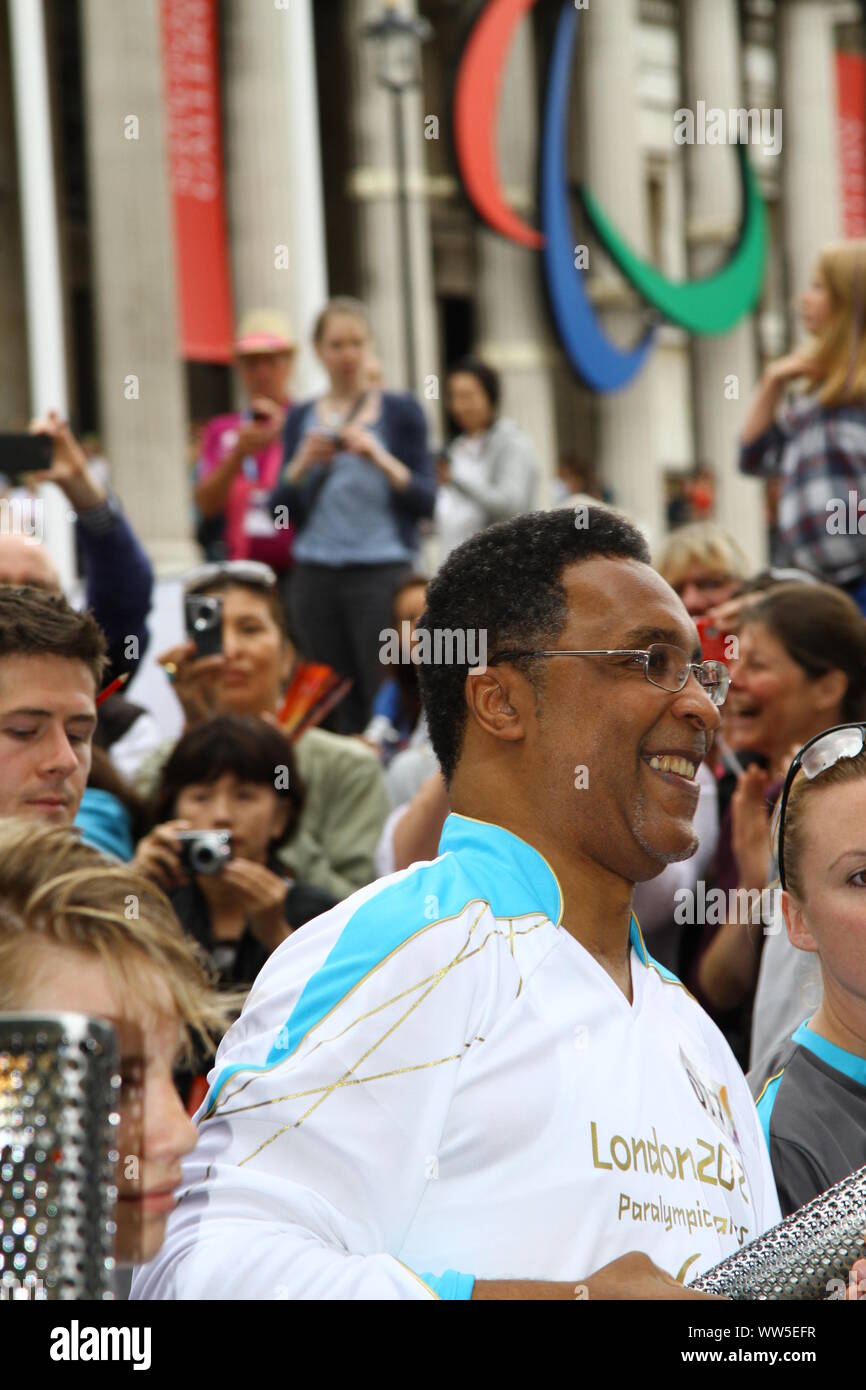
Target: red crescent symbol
477	94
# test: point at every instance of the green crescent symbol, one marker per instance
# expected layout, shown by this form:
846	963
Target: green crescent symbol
709	305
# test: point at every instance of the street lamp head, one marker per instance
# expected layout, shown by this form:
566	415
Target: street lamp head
398	38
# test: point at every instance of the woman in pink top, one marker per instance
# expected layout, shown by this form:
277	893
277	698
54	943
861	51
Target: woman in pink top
241	453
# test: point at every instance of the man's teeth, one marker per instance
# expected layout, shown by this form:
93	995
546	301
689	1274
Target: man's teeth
666	763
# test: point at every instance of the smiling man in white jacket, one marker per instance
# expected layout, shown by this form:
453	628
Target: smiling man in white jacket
470	1080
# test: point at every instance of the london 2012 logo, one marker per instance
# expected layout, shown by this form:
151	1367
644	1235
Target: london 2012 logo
710	305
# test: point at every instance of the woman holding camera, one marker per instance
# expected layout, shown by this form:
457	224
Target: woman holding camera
228	800
357	479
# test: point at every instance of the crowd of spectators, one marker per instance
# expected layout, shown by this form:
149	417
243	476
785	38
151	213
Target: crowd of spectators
310	515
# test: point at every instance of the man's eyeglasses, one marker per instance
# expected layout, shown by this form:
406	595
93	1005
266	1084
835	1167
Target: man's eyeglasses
241	571
663	665
820	753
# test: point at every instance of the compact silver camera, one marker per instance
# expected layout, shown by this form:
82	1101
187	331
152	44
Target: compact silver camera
205	851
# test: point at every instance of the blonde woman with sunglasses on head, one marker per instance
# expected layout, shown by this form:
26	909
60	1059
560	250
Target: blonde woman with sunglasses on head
817	445
811	1091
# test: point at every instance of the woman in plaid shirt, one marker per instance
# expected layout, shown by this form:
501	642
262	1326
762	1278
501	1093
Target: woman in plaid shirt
817	443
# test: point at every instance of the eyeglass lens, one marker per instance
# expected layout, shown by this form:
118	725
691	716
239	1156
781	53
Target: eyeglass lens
668	667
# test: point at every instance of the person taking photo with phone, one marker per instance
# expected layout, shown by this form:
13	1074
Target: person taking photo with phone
357	479
241	453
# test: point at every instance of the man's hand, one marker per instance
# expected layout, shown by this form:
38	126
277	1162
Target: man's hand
69	467
631	1276
857	1281
635	1276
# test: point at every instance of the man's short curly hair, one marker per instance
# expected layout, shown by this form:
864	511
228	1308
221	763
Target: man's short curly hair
35	622
507	581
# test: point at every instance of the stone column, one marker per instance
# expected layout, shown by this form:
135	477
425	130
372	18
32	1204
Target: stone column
141	376
513	332
722	365
45	340
811	201
13	358
273	168
613	167
373	184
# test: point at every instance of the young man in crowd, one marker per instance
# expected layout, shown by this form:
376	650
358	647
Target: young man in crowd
52	661
118	585
470	1080
87	955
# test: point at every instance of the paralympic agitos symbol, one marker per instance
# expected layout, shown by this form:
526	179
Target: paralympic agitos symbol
710	305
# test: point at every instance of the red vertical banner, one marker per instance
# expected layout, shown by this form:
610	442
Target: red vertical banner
851	87
192	100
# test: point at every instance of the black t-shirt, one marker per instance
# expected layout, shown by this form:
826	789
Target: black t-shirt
811	1099
240	962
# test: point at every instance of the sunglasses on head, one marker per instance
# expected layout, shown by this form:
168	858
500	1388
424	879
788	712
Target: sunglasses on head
241	571
818	755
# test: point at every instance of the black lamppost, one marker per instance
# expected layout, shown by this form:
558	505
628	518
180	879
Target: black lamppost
398	38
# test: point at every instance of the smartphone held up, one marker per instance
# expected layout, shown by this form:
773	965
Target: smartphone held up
204	623
24	453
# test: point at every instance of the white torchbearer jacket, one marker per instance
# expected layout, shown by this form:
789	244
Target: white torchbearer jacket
434	1082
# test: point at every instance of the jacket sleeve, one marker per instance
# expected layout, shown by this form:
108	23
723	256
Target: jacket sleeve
118	580
511	488
410	446
317	1141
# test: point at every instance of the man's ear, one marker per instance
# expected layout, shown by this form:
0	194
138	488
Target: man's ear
799	934
498	701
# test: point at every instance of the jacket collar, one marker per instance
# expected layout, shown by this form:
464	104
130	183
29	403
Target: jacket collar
516	878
